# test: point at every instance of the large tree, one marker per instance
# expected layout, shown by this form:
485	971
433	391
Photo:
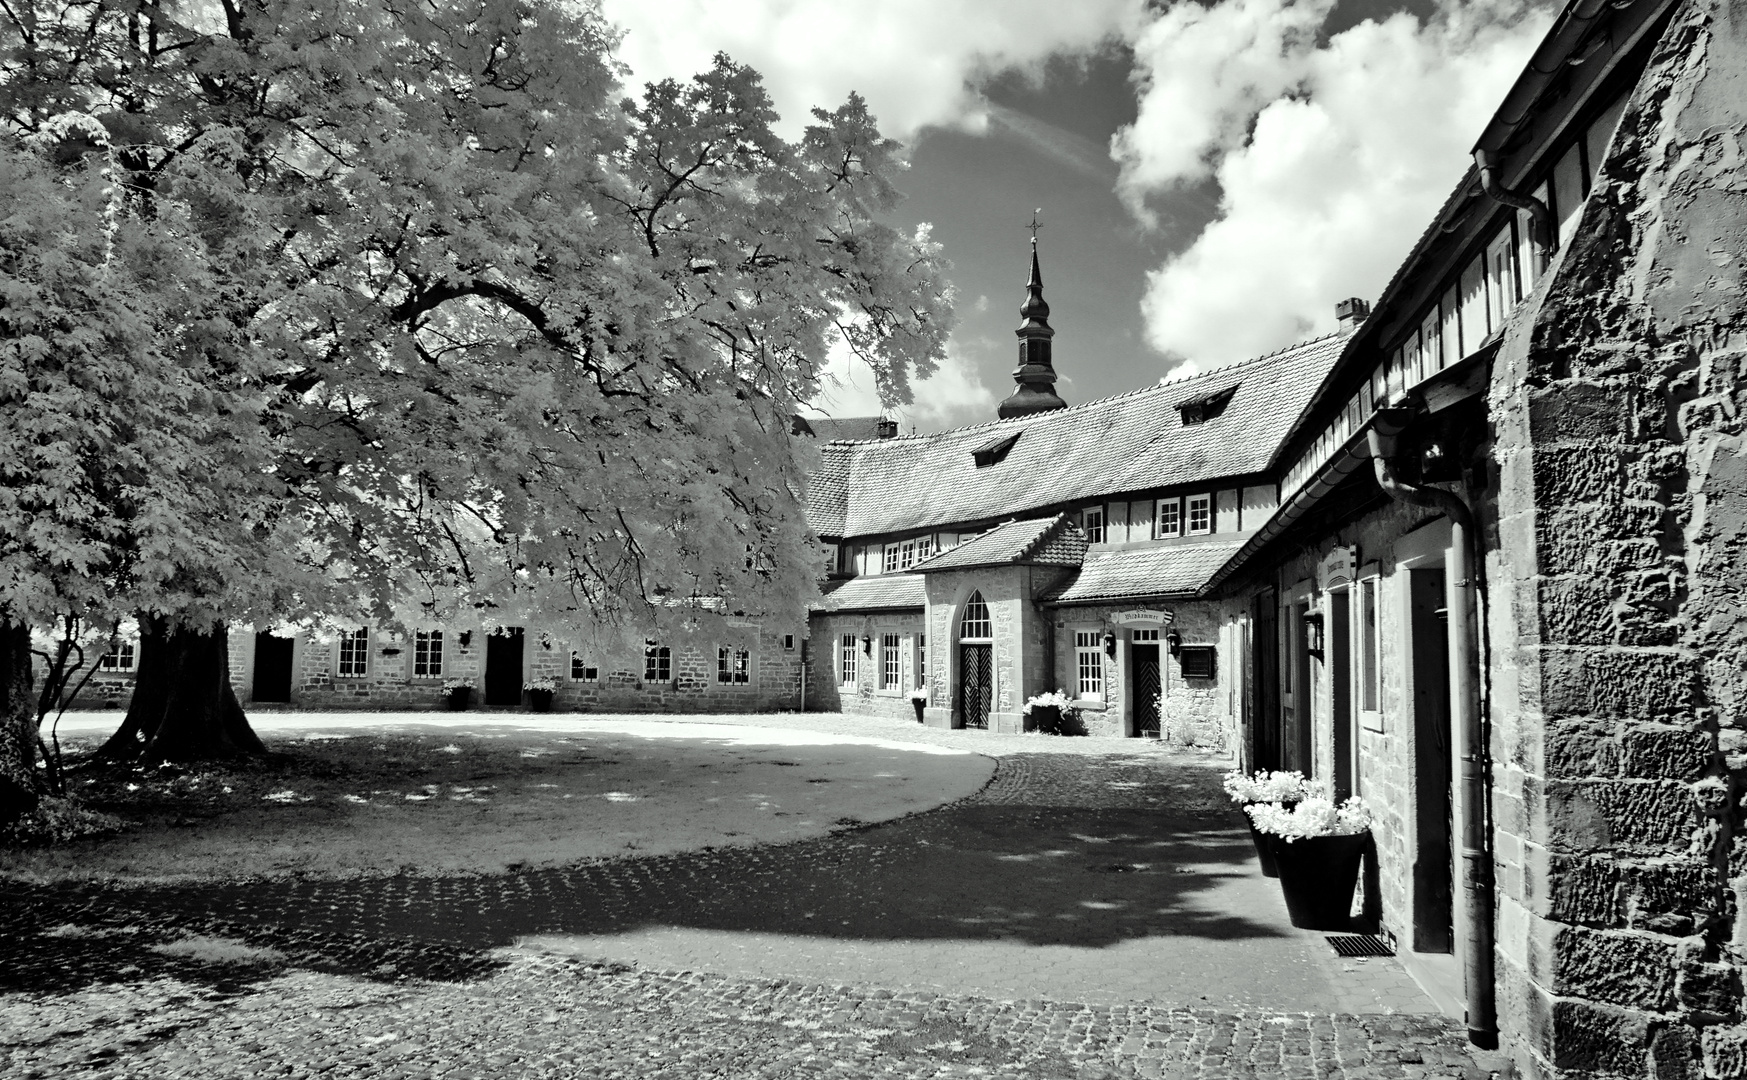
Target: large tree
473	331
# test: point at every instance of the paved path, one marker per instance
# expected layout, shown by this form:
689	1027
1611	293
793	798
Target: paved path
1094	911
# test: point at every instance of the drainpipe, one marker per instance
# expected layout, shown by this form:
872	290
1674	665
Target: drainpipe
1542	233
1475	884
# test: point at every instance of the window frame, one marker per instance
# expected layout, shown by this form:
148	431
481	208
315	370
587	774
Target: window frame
1088	665
425	645
358	643
847	674
590	672
1203	503
1094	533
1367	647
1162	530
733	665
986	623
921	660
657	662
891	667
110	663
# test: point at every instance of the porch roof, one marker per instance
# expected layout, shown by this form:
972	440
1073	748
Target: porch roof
1051	541
878	592
1167	570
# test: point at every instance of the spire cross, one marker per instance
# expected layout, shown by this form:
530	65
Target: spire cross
1035	225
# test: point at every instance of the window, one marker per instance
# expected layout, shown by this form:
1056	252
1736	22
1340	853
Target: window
788	643
891	672
1093	524
355	653
921	659
733	665
1368	645
1089	663
1170	518
581	670
846	660
926	548
1200	514
1197	661
427	655
121	658
1144	637
657	663
975	625
902	556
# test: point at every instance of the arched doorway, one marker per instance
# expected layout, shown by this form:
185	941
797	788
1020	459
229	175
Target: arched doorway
976	663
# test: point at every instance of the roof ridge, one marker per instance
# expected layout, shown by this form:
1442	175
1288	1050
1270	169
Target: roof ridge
1163	384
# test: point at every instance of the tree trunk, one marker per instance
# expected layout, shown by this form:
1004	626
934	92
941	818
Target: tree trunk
18	781
183	707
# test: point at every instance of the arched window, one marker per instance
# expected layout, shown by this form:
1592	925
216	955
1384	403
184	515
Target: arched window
975	624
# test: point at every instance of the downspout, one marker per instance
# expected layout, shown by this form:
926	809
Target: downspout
1542	233
1476	878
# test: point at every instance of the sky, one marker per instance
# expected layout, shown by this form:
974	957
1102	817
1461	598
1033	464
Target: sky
1211	177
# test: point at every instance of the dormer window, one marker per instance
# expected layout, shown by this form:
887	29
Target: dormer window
1198	410
995	449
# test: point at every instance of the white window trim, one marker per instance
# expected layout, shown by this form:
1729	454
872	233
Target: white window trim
1095	649
652	657
1160	531
848	670
442	654
576	661
123	647
366	641
1190	504
1367	665
1103	526
895	685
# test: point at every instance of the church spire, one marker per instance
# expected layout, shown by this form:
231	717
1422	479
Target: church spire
1035	373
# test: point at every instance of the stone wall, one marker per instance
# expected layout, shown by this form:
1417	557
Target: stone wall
825	690
1021	640
1196	712
1619	629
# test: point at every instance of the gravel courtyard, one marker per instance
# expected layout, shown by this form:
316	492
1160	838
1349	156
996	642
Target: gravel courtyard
1092	908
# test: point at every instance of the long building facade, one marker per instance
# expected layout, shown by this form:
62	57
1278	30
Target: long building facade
1479	557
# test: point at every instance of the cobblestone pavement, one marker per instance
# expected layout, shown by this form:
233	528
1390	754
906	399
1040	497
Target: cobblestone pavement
1093	912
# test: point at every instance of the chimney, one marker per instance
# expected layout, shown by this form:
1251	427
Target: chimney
1350	313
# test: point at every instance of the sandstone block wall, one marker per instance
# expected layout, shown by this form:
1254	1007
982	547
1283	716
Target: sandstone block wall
1619	629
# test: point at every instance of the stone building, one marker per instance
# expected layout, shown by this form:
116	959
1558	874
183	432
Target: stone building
1487	573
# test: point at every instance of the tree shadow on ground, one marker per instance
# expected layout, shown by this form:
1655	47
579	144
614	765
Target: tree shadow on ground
1003	866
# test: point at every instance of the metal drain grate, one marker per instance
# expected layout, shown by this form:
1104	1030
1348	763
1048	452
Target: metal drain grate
1359	945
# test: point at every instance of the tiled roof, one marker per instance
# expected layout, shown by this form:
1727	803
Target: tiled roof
1165	570
1128	443
1052	541
877	592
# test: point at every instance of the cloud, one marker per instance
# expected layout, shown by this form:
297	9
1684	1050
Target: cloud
913	60
1330	158
950	397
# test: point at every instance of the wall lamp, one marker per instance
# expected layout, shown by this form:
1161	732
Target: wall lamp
1109	643
1313	633
867	644
1174	642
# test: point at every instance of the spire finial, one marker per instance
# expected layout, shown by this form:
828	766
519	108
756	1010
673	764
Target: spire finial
1035	373
1035	225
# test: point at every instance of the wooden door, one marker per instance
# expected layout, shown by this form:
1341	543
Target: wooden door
1146	690
976	665
503	668
272	668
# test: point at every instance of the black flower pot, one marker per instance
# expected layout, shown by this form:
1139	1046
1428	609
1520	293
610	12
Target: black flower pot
460	700
540	700
1318	875
1264	850
920	705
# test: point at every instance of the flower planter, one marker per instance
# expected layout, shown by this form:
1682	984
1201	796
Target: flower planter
1264	850
1318	875
920	705
461	700
540	700
1266	842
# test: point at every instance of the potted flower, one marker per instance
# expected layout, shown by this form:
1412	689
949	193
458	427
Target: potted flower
460	692
919	699
1265	786
1053	714
1320	846
540	692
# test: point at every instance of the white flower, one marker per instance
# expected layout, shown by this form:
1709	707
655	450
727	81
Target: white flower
548	684
1314	816
1265	786
1057	700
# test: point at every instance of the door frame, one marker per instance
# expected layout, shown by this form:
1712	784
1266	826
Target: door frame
516	632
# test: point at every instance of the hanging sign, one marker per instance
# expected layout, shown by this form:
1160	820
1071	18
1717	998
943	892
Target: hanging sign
1143	618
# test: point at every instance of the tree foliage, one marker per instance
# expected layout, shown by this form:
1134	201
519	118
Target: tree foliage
388	309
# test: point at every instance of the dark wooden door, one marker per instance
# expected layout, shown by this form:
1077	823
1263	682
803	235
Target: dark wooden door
272	668
503	668
1265	715
976	665
1146	690
1434	857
